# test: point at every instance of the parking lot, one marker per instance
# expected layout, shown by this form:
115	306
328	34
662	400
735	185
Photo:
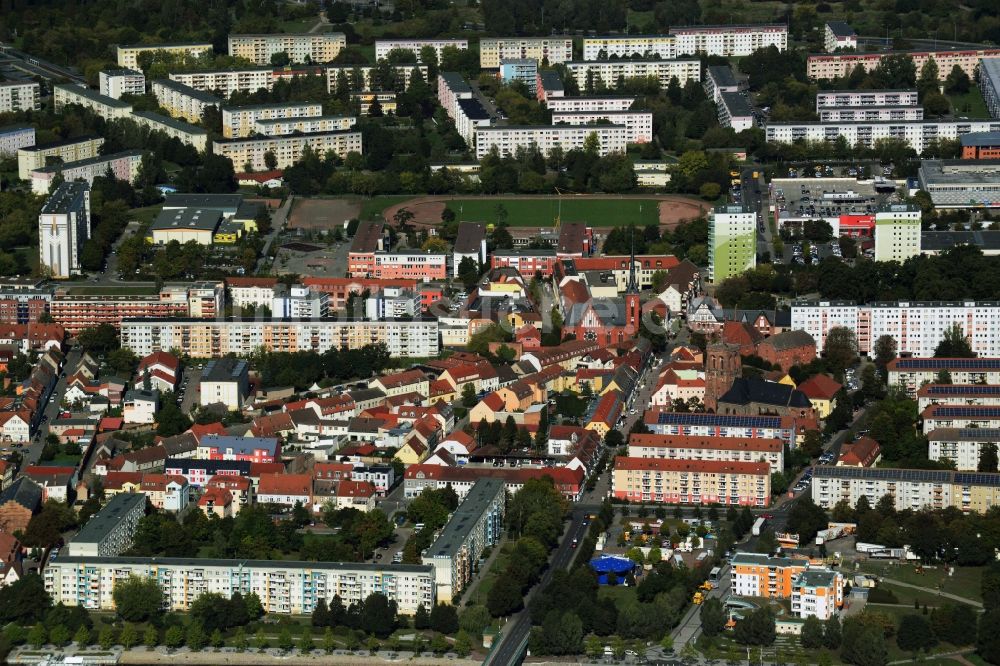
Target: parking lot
795	253
829	198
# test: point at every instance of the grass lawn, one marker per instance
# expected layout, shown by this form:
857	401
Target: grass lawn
964	582
299	25
373	207
489	577
66	460
622	595
146	215
969	105
543	212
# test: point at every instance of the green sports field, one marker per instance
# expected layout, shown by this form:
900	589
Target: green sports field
543	212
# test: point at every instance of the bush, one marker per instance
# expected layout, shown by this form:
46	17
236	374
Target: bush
882	595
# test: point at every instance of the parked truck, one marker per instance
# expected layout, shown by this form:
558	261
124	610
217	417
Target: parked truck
758	526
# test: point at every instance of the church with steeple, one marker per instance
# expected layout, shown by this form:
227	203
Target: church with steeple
605	320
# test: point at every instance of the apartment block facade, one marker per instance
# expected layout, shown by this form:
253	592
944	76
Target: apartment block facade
916	326
63	226
111	531
732	241
287	149
283	587
729	40
759	575
35	157
383	47
851	99
817	593
313	125
205	339
609	72
109	108
409	265
832	114
226	82
241	121
128	55
627	46
589	104
962	446
124	166
15	137
837	65
909	488
475	525
19	96
182	101
555	49
177	129
638	124
663	422
76	312
916	133
318	47
508	138
360	78
897	232
691	481
117	82
692	447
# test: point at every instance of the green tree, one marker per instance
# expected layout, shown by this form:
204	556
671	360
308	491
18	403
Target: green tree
240	641
463	644
914	633
469	399
987	458
329	644
151	637
217	640
954	344
812	633
260	640
444	619
129	637
137	599
59	635
713	617
285	641
987	637
174	637
37	636
757	628
195	637
504	597
82	636
306	643
840	349
24	601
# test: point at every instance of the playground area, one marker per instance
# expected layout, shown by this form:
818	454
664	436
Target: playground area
544	210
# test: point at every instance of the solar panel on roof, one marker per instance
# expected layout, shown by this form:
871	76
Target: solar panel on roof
973	389
986	434
725	420
968	411
953	363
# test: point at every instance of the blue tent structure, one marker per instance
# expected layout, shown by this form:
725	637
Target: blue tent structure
611	564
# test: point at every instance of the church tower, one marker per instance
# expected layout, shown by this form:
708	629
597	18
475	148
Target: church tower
633	307
722	366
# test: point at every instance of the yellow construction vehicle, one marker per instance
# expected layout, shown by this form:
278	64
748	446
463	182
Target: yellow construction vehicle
698	598
707	586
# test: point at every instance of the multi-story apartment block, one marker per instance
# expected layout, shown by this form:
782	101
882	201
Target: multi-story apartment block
21	305
177	129
837	65
451	88
311	125
225	82
392	303
913	372
299	302
916	326
182	101
817	593
205	339
524	70
252	449
287	149
111	531
897	232
692	447
720	79
589	104
663	422
962	446
638	124
591	73
117	82
568	481
916	133
362	78
19	96
36	157
251	291
63	226
839	35
385	100
383	47
226	381
549	85
313	47
958	394
961	416
648	47
283	587
875	113
526	262
508	138
848	99
732	241
758	575
77	311
691	481
909	488
15	137
128	56
470	116
124	166
734	111
475	525
729	40
409	265
989	84
494	50
241	121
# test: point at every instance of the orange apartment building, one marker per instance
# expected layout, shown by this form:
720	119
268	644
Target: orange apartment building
981	146
695	447
77	310
757	575
691	481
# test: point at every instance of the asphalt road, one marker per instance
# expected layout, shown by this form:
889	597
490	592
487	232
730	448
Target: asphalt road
33	450
690	624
